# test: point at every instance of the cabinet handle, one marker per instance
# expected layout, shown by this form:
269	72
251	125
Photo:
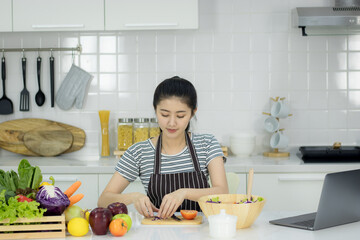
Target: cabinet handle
61	179
58	26
151	24
318	177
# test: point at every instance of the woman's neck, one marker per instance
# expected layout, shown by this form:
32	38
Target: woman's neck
173	146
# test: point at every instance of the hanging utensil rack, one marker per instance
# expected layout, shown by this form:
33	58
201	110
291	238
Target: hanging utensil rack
78	49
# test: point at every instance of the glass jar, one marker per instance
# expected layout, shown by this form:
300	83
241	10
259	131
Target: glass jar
141	129
125	133
154	128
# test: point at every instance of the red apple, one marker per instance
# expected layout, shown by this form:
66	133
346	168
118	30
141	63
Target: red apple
99	220
118	208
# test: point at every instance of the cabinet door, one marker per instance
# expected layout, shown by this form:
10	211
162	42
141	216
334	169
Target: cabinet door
289	192
54	15
5	16
135	186
151	14
89	187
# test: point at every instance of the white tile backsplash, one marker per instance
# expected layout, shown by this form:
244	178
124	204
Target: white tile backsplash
243	53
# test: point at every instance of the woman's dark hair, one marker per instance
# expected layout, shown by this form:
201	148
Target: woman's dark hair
176	87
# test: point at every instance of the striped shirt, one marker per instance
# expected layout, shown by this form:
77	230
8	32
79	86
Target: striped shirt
138	160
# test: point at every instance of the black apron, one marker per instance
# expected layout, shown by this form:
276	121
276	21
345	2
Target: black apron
162	184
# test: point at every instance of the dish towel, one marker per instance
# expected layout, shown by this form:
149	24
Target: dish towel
73	88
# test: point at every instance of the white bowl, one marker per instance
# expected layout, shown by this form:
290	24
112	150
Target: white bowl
242	149
242	139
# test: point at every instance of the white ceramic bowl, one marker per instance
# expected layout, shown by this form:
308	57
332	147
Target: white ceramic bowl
242	149
243	138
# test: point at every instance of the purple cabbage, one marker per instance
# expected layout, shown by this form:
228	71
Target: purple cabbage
52	199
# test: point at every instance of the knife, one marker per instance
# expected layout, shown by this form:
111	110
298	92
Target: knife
175	218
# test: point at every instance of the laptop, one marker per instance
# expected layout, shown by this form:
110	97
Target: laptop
339	204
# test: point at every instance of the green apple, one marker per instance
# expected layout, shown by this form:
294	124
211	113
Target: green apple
125	217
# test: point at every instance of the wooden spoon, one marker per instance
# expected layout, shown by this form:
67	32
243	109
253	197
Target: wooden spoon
249	184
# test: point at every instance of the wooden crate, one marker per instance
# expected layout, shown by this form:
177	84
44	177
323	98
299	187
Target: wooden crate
52	227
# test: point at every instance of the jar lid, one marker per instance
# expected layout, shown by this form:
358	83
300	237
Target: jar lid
126	120
222	218
153	120
141	120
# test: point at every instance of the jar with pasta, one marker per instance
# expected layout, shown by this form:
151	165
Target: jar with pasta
141	129
154	128
125	133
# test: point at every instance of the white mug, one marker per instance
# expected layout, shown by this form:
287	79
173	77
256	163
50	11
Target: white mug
279	140
271	124
279	110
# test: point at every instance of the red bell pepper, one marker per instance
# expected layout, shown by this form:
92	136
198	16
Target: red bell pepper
22	198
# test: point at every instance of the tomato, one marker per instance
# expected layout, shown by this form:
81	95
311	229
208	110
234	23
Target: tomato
188	214
22	198
118	227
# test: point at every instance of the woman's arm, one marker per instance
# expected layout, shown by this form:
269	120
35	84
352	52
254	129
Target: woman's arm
113	193
173	200
218	181
113	190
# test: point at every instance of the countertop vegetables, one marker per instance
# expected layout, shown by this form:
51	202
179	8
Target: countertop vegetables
188	214
46	183
53	199
13	209
27	179
22	198
74	199
70	191
29	176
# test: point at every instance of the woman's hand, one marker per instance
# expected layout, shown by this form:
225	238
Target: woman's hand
171	202
144	206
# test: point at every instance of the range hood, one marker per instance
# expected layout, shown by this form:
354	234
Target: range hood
343	18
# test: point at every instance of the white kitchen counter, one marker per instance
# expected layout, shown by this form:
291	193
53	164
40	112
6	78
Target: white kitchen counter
260	230
95	164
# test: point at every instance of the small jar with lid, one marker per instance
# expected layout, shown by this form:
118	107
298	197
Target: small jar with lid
141	129
125	133
154	128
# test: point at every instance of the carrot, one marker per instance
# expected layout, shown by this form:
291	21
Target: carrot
70	191
74	199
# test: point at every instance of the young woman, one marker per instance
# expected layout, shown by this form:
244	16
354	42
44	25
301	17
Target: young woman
173	167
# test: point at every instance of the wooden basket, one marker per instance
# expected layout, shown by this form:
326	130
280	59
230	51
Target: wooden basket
246	213
44	227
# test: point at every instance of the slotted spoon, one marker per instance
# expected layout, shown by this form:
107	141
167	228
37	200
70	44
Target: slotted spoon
24	95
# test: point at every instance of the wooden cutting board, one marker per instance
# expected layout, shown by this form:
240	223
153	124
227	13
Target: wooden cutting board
12	134
149	221
49	141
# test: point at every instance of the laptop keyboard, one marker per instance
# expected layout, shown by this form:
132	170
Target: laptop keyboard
307	223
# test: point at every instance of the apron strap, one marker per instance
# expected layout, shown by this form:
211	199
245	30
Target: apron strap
158	155
191	148
192	152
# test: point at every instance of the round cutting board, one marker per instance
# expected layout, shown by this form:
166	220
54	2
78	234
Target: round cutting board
48	141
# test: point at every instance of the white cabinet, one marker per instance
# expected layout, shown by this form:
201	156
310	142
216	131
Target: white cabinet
151	14
290	191
5	16
89	186
54	15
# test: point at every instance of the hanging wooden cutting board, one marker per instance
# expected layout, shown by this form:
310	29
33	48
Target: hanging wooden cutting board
12	134
49	141
149	221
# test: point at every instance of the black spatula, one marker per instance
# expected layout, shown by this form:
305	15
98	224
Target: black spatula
6	106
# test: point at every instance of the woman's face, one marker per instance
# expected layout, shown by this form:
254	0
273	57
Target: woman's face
173	116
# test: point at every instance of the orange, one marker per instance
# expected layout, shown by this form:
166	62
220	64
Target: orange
118	227
188	214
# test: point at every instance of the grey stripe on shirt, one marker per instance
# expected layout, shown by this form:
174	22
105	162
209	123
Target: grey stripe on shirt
138	160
